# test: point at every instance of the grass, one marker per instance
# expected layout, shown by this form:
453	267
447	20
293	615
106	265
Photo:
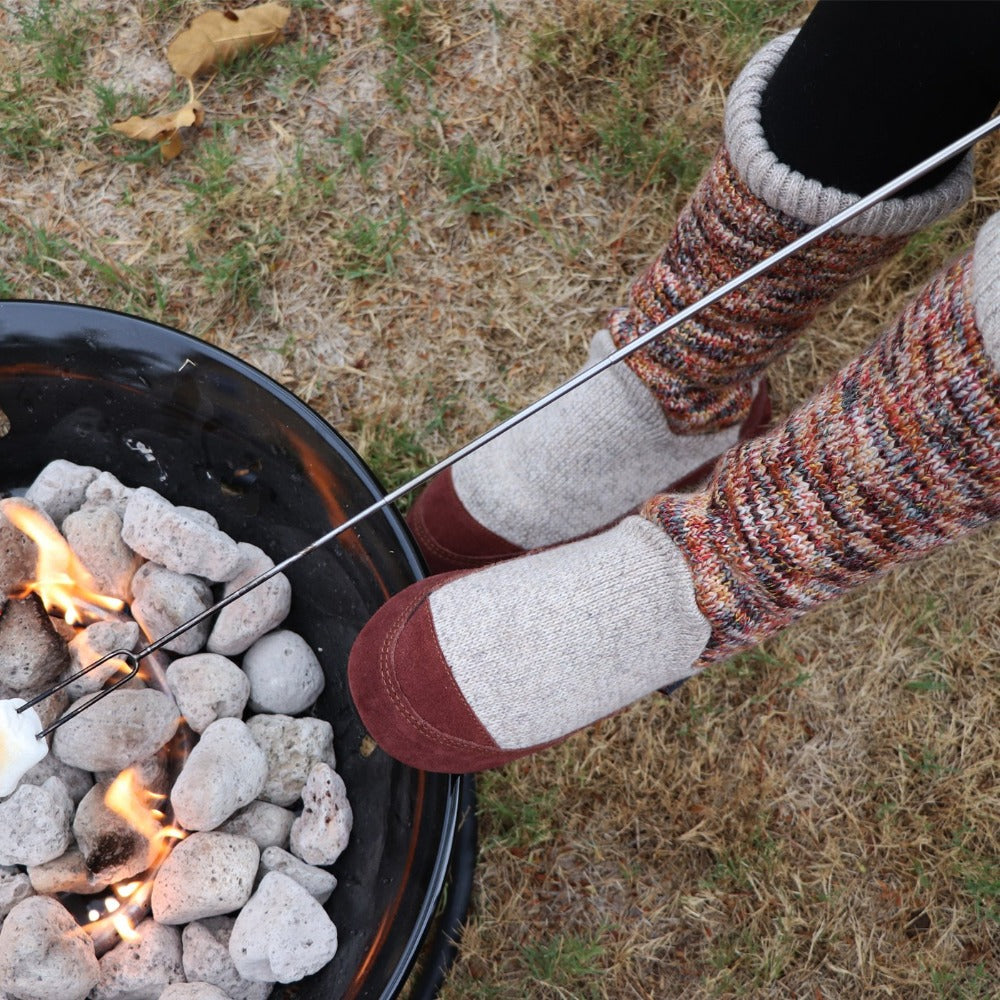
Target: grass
414	215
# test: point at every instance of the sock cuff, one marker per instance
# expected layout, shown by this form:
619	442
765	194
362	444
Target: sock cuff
986	286
807	200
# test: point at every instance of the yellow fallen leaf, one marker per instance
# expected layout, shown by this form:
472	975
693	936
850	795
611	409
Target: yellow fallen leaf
217	36
164	129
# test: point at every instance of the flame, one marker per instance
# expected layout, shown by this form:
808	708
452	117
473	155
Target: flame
128	798
61	580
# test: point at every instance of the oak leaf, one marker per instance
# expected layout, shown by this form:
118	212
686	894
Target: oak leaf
218	36
163	129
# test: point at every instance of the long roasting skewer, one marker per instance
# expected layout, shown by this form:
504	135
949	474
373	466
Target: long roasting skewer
891	187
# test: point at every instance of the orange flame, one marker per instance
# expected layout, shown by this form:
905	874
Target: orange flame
128	798
61	580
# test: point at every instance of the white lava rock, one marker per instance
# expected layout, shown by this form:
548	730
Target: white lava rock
256	613
107	491
45	954
20	748
113	848
14	886
224	772
95	536
94	642
164	599
35	824
61	487
78	782
167	535
292	747
67	873
318	882
321	833
193	991
141	969
282	935
18	556
208	687
266	824
206	875
123	727
285	676
207	959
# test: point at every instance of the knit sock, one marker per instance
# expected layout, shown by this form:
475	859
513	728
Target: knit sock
897	456
749	206
678	403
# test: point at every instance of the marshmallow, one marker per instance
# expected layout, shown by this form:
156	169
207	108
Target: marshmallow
20	748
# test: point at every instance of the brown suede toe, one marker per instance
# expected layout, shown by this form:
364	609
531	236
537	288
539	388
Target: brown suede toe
450	538
448	535
405	693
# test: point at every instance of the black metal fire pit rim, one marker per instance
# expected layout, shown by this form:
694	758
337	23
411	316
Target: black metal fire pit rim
436	940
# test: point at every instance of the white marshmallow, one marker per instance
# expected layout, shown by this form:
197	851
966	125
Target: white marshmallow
20	749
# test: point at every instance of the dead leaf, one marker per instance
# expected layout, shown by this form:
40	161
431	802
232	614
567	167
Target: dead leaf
217	36
165	128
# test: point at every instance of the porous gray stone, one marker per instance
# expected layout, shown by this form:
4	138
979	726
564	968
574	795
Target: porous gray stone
292	747
285	676
141	969
206	875
67	873
61	487
18	556
240	624
77	781
91	644
35	823
193	991
321	833
207	687
14	886
162	533
318	882
224	772
45	954
163	599
32	653
207	959
113	848
95	536
264	823
123	727
107	491
282	935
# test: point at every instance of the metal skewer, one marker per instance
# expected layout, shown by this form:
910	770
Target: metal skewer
887	189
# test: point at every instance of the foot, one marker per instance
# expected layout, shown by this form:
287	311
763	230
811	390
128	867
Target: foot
474	669
580	464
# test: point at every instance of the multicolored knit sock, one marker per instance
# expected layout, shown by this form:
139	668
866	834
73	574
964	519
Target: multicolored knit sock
659	421
748	206
897	456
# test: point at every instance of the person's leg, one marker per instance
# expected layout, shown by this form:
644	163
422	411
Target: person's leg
664	416
899	455
871	87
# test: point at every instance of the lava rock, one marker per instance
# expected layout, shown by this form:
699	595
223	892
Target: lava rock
224	772
206	875
45	954
282	935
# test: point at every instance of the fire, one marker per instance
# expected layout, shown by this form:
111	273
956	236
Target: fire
61	580
139	807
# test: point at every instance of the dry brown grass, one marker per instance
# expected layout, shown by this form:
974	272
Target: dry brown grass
818	820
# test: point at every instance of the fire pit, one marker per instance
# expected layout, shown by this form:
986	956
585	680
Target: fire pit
159	409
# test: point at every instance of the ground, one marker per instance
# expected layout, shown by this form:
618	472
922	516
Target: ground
414	214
